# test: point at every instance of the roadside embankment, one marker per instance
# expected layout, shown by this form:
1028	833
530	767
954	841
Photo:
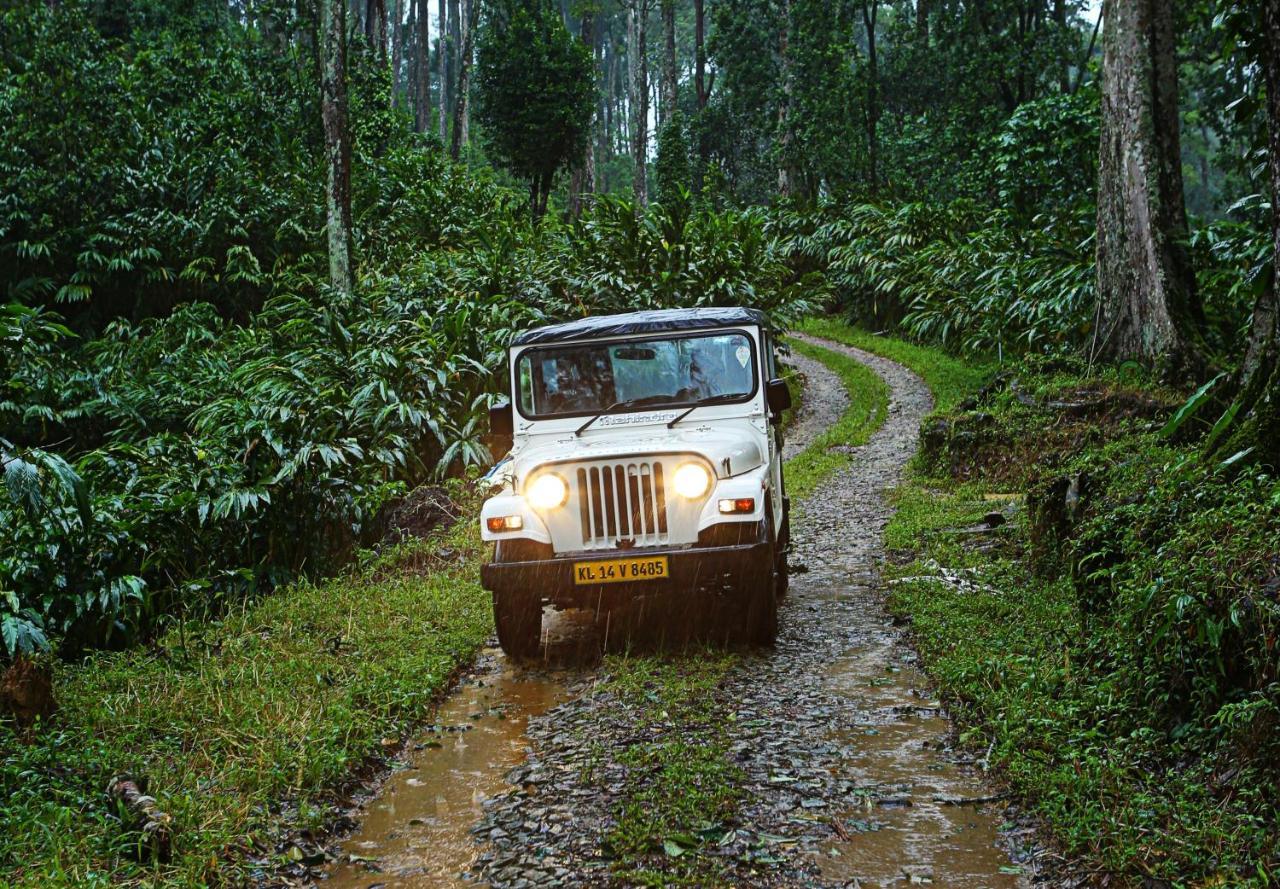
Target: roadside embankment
1100	607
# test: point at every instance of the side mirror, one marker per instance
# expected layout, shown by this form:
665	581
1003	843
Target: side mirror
778	397
502	422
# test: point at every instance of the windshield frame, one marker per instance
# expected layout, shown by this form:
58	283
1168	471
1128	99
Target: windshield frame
703	333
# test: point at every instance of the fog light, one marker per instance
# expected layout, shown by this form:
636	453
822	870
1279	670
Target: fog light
505	523
740	505
692	480
548	492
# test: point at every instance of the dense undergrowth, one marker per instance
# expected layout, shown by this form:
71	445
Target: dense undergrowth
243	727
189	416
1115	644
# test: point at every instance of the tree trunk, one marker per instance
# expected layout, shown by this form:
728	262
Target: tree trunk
582	184
397	52
670	75
424	66
333	86
1149	310
922	22
870	12
700	53
443	59
375	27
462	104
638	89
787	174
455	41
1257	409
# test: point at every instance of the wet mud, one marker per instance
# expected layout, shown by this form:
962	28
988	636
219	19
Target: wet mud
851	777
417	831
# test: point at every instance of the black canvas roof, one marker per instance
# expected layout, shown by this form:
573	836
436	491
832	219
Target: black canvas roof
652	321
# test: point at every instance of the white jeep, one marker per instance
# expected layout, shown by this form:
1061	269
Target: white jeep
645	466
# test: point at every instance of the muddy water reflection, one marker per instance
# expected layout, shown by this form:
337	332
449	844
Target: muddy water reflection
923	818
416	832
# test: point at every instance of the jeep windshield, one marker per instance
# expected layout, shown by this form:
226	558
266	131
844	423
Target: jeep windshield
678	370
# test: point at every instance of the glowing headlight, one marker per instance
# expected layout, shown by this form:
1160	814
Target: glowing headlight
692	480
548	492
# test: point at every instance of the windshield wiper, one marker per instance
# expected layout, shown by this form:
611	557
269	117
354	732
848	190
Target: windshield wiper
611	409
723	398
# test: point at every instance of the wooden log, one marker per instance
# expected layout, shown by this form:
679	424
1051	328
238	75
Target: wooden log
143	814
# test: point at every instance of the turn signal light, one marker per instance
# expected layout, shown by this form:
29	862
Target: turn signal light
504	523
740	505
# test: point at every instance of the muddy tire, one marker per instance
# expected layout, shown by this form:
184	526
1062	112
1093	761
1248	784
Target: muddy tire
761	618
518	619
781	570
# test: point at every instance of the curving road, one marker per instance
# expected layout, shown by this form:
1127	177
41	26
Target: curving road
851	777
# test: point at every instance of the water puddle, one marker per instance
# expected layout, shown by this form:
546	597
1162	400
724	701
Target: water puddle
926	816
417	831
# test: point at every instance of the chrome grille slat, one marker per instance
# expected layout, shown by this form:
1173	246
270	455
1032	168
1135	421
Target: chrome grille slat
622	501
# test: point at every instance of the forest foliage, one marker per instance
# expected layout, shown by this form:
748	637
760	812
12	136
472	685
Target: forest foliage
190	414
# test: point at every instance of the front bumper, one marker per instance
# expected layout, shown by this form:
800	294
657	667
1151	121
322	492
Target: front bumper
716	570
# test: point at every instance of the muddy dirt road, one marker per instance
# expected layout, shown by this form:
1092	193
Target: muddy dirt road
850	777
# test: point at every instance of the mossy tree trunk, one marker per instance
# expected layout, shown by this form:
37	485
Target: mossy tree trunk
337	140
1150	311
1257	408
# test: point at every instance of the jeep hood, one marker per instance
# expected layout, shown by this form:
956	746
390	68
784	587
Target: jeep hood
730	451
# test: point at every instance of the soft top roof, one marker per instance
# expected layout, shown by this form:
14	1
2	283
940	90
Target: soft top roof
652	321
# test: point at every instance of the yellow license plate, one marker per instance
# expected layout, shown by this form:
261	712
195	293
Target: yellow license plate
620	570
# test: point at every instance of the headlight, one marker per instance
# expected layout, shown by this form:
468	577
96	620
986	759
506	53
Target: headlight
548	492
692	480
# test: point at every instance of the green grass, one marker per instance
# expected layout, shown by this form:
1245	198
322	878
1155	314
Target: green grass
868	404
681	790
244	726
1083	658
950	379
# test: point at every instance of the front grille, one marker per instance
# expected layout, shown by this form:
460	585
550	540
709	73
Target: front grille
622	501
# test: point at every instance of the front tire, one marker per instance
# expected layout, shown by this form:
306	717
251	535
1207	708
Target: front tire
762	605
518	619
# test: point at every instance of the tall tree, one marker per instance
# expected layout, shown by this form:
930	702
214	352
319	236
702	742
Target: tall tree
870	14
397	57
670	74
583	182
1256	411
535	92
788	176
337	140
462	102
638	96
1149	310
422	71
443	58
375	27
701	85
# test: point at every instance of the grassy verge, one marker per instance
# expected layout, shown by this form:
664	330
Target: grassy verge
950	379
243	727
682	791
1113	646
868	403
